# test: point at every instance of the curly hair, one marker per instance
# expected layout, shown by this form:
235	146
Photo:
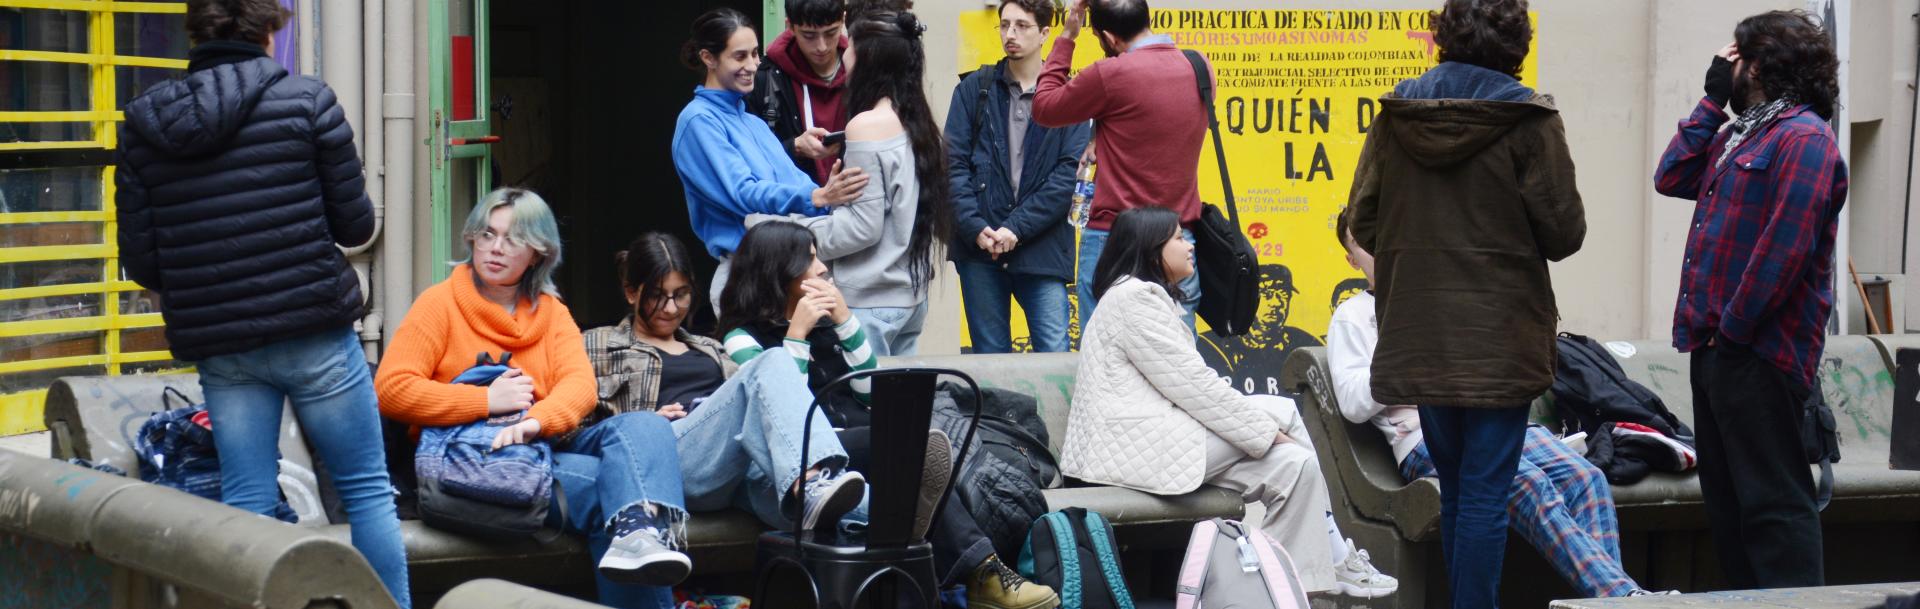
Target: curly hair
237	20
1492	34
1042	10
1791	56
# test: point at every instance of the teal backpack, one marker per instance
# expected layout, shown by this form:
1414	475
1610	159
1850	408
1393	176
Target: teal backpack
1073	551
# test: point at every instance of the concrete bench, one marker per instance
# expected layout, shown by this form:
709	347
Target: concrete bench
96	417
72	537
1398	521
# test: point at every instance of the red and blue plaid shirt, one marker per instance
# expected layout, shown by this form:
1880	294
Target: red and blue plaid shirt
1759	265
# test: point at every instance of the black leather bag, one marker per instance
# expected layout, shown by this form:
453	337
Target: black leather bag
1226	261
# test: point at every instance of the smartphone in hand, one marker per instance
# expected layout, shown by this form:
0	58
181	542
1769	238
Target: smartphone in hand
834	139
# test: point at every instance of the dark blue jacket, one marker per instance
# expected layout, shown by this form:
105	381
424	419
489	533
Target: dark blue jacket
236	185
983	196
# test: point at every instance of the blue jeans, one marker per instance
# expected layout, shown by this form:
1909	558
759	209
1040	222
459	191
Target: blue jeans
626	460
1092	242
1476	452
893	330
1562	505
987	290
741	446
326	377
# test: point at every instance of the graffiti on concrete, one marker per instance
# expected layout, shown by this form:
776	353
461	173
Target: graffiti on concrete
36	574
1861	400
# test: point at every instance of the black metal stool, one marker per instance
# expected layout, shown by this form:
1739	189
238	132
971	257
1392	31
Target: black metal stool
883	566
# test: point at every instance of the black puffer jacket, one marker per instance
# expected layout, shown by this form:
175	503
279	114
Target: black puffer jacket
234	186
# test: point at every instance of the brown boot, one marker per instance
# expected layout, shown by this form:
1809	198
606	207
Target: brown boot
994	586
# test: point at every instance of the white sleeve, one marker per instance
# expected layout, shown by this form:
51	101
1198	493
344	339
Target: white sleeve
1350	358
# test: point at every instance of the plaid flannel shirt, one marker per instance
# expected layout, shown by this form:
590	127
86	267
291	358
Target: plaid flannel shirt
1759	258
628	371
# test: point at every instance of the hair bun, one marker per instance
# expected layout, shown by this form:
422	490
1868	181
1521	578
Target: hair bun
909	24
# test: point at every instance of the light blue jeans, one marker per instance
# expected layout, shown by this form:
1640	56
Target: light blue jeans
741	446
987	289
326	377
626	460
893	330
1092	242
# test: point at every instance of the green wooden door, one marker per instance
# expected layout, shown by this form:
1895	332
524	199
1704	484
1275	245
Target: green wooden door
461	128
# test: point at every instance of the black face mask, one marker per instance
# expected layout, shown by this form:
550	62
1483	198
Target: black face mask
1742	87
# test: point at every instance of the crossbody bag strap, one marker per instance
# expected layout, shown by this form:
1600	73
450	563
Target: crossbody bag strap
1205	81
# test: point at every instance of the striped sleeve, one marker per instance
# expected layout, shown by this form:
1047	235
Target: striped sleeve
859	354
741	347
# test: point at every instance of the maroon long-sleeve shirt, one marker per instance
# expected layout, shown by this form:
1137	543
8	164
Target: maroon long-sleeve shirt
1149	125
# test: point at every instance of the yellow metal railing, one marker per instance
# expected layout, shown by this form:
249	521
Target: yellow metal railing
21	411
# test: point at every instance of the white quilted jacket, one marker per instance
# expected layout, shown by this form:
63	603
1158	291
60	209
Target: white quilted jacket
1143	400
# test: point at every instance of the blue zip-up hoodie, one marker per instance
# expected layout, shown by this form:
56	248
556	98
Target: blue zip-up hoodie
732	165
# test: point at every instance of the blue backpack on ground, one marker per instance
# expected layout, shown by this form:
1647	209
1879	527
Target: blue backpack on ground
1073	551
176	450
468	487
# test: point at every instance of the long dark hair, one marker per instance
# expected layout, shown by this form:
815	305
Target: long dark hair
648	261
769	258
1791	57
711	31
890	62
1492	34
1133	248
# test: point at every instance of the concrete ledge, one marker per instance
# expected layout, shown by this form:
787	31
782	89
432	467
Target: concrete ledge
496	594
1830	597
229	556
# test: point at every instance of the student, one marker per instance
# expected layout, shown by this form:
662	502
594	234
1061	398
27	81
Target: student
1560	502
786	308
729	163
1757	286
620	475
1012	182
800	91
880	247
1149	124
1464	192
736	423
237	185
1149	415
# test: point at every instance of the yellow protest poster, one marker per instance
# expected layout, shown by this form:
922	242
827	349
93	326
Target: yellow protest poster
1296	91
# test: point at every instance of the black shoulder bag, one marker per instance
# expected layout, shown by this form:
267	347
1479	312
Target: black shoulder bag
1226	262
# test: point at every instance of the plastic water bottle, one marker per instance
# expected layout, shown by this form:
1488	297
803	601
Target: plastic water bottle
1082	198
1249	559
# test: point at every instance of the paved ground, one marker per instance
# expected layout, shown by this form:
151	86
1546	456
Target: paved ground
36	444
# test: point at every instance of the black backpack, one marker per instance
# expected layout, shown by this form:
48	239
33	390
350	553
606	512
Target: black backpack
1590	388
1008	463
1226	261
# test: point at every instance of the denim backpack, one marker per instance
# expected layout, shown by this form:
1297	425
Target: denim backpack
1073	551
176	450
467	487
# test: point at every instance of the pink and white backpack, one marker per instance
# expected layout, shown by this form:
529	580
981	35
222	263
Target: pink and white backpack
1233	566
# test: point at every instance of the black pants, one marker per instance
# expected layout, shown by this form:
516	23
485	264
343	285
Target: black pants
958	543
1753	472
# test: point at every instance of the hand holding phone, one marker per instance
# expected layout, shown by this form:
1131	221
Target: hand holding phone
834	139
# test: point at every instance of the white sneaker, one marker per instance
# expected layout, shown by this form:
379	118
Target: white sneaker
1357	578
643	557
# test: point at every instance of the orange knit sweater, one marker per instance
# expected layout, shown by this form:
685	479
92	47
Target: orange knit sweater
450	324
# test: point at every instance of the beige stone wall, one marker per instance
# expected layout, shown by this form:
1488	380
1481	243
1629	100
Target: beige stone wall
1624	72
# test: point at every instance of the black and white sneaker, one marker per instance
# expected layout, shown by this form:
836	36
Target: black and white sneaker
934	476
643	557
829	496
